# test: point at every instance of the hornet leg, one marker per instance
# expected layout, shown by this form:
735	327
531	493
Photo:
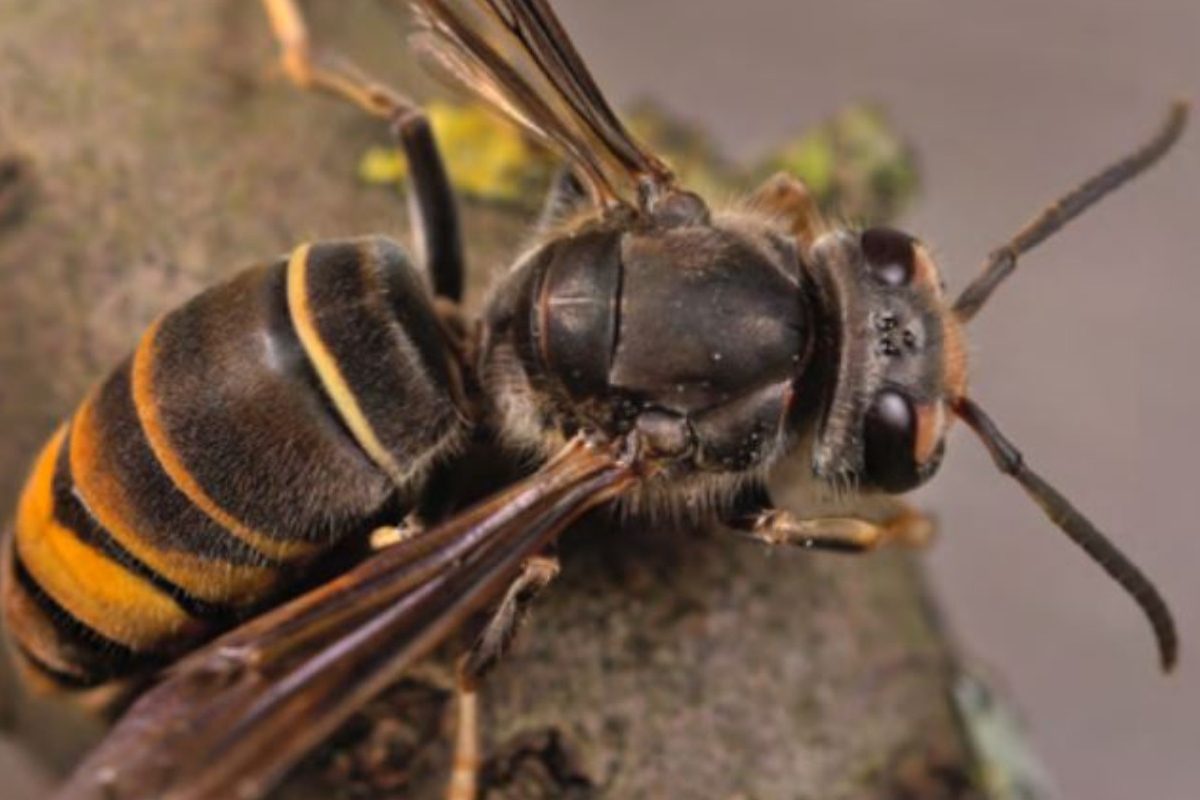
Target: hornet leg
385	536
757	518
432	210
492	644
785	196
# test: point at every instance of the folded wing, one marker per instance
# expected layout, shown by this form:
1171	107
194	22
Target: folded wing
233	717
516	55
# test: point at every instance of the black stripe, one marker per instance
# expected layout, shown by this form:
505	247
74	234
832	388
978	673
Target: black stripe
163	515
101	657
372	311
71	512
409	307
65	680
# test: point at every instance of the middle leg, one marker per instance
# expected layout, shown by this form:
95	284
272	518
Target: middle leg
491	645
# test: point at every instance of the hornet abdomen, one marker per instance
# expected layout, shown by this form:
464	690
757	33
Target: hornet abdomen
251	430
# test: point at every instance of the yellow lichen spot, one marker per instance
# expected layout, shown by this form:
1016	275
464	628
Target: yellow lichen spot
854	163
686	147
382	165
811	158
485	156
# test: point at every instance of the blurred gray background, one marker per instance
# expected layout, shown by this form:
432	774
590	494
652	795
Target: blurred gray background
1087	358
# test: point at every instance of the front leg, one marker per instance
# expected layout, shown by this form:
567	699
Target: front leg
756	517
786	197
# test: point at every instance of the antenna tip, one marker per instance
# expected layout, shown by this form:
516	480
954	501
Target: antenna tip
1177	115
1169	656
1165	633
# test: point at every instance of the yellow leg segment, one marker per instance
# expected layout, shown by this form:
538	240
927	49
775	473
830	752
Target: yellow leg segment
908	528
330	72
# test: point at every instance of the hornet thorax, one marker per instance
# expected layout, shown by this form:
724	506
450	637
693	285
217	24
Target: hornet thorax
699	333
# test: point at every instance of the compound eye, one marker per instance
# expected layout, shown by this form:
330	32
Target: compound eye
889	443
890	255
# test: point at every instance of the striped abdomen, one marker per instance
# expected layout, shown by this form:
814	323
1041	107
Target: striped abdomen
252	429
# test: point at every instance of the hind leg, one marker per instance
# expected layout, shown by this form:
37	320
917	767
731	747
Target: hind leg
432	210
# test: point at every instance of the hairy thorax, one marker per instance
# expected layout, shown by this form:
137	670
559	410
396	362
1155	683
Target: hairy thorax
698	336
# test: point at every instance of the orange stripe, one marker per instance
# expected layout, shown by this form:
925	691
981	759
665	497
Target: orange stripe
325	363
107	499
931	426
98	592
147	409
27	623
925	271
954	357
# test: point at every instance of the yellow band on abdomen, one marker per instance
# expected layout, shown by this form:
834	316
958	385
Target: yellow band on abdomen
98	592
326	366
